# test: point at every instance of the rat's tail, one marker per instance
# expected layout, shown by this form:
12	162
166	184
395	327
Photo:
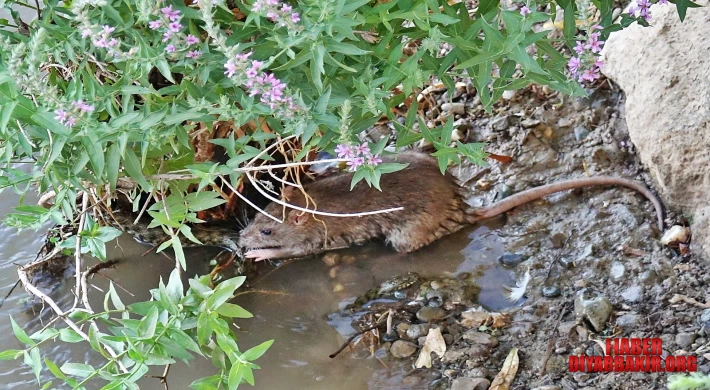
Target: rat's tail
476	214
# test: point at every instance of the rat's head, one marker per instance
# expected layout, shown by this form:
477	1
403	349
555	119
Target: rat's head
298	230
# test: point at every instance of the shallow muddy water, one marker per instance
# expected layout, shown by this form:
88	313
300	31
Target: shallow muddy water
292	305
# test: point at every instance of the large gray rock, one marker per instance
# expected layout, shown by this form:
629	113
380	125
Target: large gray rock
664	70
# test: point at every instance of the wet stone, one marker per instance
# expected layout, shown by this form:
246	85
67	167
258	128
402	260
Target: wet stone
402	349
416	331
331	259
501	123
504	191
551	292
633	294
580	133
628	321
478	372
475	337
684	340
511	260
566	262
453	355
391	336
427	313
594	307
558	240
402	329
454	108
470	384
617	270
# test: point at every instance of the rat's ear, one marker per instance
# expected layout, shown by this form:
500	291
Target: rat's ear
298	217
287	192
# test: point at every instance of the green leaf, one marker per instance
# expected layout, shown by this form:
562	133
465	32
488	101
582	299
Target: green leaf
179	254
77	369
570	23
113	161
133	168
164	69
20	334
346	48
203	200
6	114
256	352
235	376
115	298
147	326
46	120
233	311
33	360
10	354
175	287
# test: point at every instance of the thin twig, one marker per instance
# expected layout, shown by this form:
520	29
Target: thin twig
77	251
552	340
9	292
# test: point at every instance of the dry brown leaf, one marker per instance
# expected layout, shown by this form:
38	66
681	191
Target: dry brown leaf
500	320
506	375
474	319
434	343
682	298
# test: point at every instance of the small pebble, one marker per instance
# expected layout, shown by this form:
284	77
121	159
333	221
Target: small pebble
464	383
507	95
331	259
389	337
528	123
564	122
580	133
510	260
416	331
551	292
501	123
455	108
504	191
426	314
566	262
558	240
402	349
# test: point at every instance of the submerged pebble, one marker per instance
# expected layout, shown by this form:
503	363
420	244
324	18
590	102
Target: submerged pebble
511	260
427	313
551	292
403	349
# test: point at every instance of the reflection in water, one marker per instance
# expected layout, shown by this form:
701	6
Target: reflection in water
292	304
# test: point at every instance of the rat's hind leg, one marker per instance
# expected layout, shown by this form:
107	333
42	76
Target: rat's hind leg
421	231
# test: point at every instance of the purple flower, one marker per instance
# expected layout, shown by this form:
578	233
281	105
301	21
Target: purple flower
353	163
574	64
231	68
525	11
82	106
579	48
662	1
175	26
286	8
100	42
295	17
85	33
155	24
71	121
108	29
170	48
589	75
61	115
344	151
170	13
243	56
113	42
362	149
191	40
632	11
194	54
374	160
167	36
594	43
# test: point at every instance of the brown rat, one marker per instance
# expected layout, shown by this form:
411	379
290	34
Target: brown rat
433	208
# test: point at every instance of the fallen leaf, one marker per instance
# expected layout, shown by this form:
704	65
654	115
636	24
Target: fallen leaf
434	343
682	298
474	319
506	375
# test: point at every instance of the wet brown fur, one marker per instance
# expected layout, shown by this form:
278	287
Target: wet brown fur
432	203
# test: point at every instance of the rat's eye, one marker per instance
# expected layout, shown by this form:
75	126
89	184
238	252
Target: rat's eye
266	232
